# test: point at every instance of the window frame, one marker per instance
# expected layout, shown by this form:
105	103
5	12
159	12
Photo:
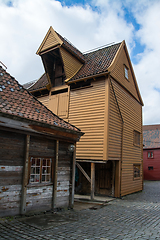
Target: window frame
40	172
150	154
126	72
139	175
150	168
136	138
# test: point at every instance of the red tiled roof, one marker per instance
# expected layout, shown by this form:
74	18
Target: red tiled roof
39	84
151	136
17	101
97	62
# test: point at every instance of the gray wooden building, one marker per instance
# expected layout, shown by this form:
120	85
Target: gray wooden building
37	153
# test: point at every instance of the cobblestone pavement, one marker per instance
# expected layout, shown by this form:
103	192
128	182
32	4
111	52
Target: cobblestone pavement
136	216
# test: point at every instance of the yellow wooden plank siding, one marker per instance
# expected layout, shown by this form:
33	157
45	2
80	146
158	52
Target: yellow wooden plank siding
131	112
71	63
118	74
58	104
86	111
44	100
51	41
115	128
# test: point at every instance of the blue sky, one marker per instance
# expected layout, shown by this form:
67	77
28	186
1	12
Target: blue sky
87	24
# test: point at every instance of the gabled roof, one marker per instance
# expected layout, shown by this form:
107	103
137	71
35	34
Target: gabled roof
18	102
95	62
151	136
53	39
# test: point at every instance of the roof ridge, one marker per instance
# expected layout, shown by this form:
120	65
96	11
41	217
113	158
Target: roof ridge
100	48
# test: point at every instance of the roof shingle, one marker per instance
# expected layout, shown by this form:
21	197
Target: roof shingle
151	136
17	101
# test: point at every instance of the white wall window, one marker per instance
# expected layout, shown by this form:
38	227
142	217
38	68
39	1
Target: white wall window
126	72
40	170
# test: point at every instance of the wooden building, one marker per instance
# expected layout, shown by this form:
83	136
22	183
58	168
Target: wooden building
37	153
151	152
98	92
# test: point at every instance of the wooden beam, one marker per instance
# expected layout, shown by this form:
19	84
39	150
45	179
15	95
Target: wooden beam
83	171
25	176
55	176
113	177
73	177
92	180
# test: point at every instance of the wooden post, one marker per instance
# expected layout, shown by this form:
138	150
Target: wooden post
55	176
113	178
73	177
25	176
92	180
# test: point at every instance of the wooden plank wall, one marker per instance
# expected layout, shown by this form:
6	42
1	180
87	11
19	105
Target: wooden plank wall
131	112
71	63
40	197
11	167
64	175
86	111
44	100
115	128
118	74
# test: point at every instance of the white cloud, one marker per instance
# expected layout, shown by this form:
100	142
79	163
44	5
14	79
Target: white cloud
147	70
23	27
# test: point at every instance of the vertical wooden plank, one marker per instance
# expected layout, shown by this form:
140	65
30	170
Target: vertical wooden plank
25	176
55	176
117	179
92	180
113	178
73	177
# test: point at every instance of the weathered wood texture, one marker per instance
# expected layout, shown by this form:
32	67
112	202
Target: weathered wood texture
131	112
11	167
39	198
86	111
64	181
41	147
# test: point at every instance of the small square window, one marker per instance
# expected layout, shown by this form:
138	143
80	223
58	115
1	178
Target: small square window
40	170
136	138
126	72
150	154
150	168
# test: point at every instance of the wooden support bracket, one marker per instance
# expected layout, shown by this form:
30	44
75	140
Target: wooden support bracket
83	171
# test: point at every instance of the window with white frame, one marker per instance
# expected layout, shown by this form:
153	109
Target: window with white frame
150	154
126	72
40	170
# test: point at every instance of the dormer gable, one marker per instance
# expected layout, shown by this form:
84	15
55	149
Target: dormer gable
60	58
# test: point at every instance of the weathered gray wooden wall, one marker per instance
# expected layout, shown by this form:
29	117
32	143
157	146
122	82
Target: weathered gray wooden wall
64	175
38	197
11	167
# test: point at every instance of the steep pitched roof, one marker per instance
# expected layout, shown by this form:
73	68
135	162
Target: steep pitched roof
97	62
151	136
41	83
17	101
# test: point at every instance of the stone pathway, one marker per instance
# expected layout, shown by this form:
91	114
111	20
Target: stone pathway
136	216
